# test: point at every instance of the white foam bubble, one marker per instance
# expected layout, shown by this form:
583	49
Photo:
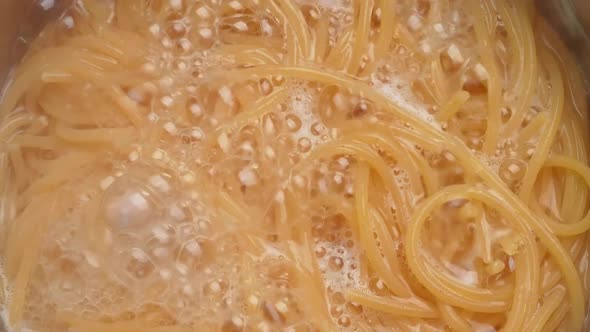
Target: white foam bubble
302	104
399	92
127	210
47	4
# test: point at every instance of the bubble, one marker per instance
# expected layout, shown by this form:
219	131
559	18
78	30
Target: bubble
294	158
187	231
330	237
530	115
293	122
278	80
360	109
354	308
344	321
320	251
378	287
338	298
506	114
304	144
126	207
336	311
286	143
139	265
317	128
475	143
265	86
163	233
512	170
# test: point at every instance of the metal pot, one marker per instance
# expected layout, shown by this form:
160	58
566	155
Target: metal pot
20	22
571	18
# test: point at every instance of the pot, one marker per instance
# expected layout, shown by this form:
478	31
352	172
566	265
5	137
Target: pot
20	22
571	18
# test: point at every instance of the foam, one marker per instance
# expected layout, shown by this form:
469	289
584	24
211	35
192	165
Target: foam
173	249
302	104
398	90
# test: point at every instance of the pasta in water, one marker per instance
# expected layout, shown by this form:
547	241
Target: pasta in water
296	165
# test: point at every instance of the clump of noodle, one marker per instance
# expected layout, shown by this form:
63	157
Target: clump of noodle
545	260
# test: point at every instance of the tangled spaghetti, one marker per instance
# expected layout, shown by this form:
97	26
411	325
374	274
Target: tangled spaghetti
195	165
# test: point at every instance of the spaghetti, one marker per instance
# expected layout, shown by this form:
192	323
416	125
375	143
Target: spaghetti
261	165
